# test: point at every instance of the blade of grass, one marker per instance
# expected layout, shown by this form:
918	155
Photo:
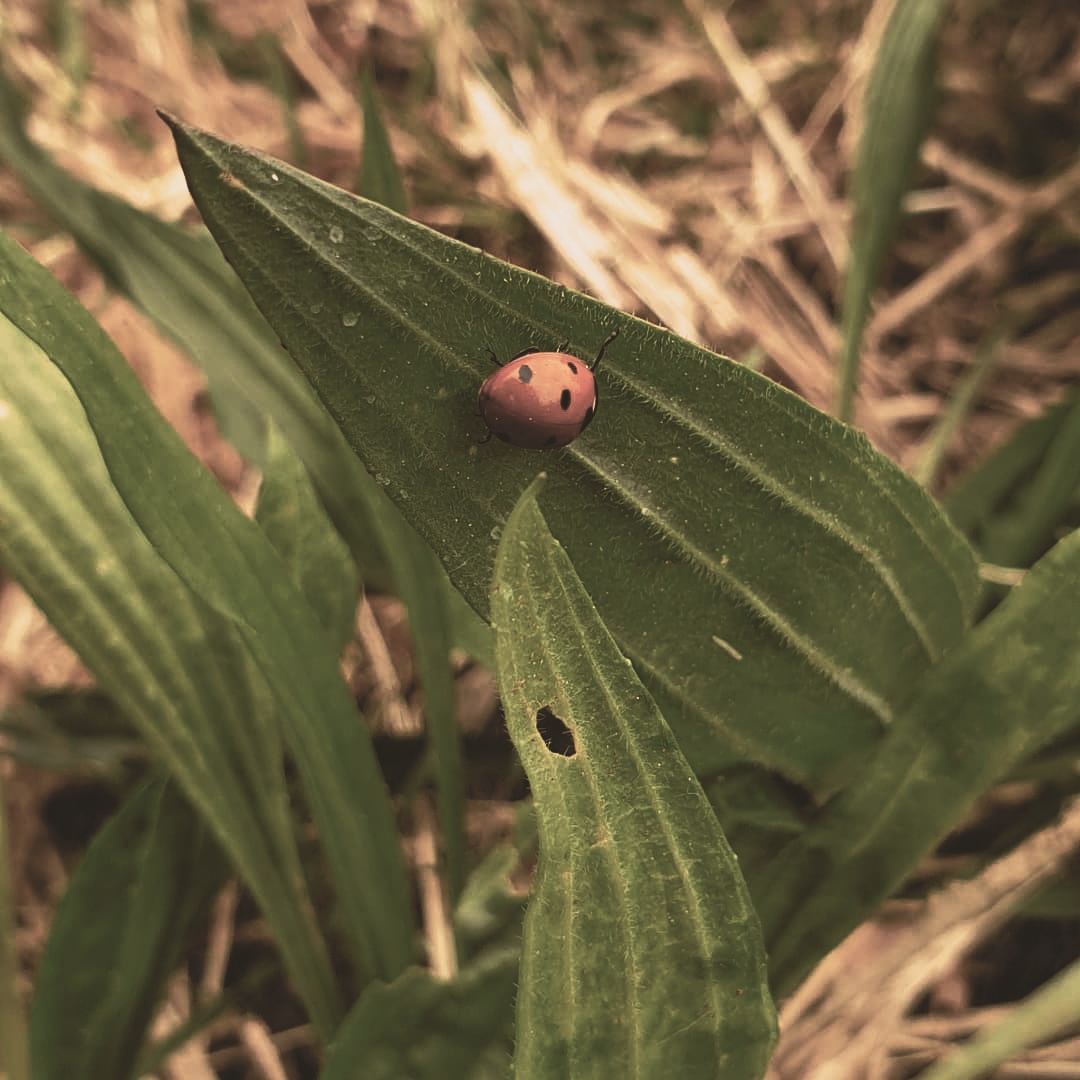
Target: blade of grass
1050	1010
380	178
961	403
899	106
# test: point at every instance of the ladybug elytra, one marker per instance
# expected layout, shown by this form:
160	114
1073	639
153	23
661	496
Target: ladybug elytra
541	400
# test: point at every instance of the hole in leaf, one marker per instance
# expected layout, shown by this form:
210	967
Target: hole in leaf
558	738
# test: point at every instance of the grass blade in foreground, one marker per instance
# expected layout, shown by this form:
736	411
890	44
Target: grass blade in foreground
899	103
642	955
726	530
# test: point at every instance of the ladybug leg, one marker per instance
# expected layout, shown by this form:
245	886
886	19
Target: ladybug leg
494	359
563	347
525	352
600	354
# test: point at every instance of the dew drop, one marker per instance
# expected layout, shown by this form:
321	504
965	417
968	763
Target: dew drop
337	234
350	318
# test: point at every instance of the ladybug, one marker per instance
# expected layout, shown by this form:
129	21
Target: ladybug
541	400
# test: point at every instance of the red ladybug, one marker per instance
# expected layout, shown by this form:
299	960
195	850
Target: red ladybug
541	400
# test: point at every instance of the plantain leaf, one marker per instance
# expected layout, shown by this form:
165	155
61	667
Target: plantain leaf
228	562
175	668
779	586
119	934
422	1029
181	281
1009	689
642	955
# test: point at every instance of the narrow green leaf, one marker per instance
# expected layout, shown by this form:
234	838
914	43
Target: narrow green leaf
899	106
173	667
317	559
380	179
228	562
14	1044
1052	1009
1012	503
423	1029
183	284
1010	688
960	404
642	955
119	934
768	573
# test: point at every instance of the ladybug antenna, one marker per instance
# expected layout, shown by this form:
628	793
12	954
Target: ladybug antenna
600	354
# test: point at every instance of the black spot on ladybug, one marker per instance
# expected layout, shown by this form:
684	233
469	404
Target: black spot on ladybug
551	440
572	367
564	400
588	416
558	738
525	373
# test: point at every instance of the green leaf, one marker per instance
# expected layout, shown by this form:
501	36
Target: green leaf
1011	504
14	1044
317	559
642	955
767	572
380	179
1010	688
418	1028
183	284
899	107
174	668
119	934
228	562
1051	1010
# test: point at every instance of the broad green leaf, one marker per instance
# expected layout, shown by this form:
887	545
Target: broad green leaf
1010	688
418	1028
228	562
1010	505
181	281
768	573
899	106
642	955
119	934
173	667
